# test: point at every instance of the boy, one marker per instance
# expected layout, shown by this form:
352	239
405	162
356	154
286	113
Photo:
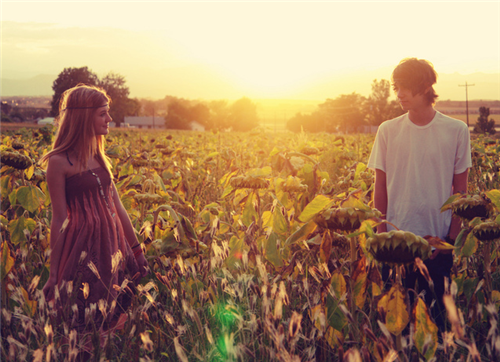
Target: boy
420	159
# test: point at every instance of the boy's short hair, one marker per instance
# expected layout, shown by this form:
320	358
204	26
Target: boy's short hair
417	75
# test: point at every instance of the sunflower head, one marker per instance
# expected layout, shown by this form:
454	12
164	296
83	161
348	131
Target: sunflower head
468	207
344	218
249	182
16	160
487	231
17	145
398	247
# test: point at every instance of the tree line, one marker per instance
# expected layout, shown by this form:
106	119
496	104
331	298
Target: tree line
178	113
348	113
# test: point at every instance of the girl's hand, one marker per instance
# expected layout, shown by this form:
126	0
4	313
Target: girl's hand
143	264
48	289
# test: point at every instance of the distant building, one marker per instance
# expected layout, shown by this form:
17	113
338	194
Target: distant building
195	126
46	120
150	123
142	122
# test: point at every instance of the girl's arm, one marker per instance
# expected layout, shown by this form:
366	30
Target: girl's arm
56	182
129	231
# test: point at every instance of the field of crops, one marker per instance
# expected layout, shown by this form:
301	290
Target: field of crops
242	267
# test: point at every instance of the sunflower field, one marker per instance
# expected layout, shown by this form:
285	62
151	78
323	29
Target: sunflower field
260	247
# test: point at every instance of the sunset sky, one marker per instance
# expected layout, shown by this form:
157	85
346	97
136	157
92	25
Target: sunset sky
212	50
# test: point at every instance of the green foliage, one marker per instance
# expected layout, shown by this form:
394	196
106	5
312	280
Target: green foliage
243	115
349	113
114	85
483	125
69	78
377	107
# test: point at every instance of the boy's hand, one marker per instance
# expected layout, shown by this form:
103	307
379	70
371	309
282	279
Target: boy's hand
441	246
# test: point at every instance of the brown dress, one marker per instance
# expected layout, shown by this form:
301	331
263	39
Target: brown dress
93	235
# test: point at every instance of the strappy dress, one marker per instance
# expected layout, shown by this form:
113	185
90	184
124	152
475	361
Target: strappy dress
92	249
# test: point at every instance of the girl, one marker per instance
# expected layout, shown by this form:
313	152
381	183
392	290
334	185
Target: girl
93	242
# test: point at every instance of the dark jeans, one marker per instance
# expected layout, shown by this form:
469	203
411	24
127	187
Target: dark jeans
439	268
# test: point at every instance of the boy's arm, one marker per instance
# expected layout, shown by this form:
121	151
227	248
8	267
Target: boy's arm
460	182
380	197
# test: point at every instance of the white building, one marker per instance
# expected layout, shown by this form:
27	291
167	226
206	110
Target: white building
142	122
195	126
46	120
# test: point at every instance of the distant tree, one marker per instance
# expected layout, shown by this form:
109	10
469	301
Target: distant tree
243	115
344	113
16	116
115	86
149	108
200	113
133	107
67	79
305	122
483	125
178	115
377	107
5	118
6	108
219	115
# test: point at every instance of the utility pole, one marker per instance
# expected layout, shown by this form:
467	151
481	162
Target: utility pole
153	117
466	99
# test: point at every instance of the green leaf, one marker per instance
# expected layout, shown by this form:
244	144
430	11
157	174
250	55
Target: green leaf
425	336
159	182
360	282
301	234
313	208
28	173
7	260
17	227
469	288
396	313
494	196
13	197
236	248
360	167
45	189
334	314
126	171
272	252
338	284
280	225
470	246
5	186
135	180
30	197
210	156
447	204
249	212
260	172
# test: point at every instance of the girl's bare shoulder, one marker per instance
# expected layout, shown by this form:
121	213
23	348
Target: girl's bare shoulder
58	163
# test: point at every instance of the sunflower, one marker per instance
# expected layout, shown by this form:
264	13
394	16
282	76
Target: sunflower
398	247
345	219
487	231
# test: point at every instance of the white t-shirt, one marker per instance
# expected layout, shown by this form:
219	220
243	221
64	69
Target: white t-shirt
419	162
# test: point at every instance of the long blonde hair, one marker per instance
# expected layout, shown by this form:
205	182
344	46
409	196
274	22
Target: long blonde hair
76	131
